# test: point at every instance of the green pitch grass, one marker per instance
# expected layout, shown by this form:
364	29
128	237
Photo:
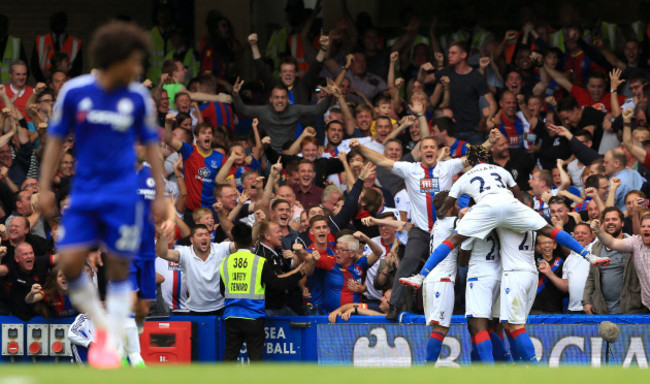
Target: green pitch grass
313	374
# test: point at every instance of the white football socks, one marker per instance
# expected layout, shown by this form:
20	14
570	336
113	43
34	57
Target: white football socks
119	301
132	342
83	295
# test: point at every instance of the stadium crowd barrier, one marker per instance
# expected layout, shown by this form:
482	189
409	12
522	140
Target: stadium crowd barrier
362	341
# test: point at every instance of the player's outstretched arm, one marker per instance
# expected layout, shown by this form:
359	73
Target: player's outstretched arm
374	157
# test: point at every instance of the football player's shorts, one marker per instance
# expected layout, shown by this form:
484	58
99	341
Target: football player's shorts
499	210
114	225
438	297
482	297
518	291
142	273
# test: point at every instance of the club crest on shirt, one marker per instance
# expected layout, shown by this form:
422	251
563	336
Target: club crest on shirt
429	185
204	172
174	266
125	106
213	164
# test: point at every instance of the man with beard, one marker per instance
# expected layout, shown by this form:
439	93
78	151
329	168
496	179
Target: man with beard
201	264
279	118
519	163
638	245
613	289
334	135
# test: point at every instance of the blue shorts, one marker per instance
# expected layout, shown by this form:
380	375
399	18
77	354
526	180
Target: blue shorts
114	225
142	273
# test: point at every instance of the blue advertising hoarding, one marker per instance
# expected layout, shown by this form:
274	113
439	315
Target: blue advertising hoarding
373	341
404	345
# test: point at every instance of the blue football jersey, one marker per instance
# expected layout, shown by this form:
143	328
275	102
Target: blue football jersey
105	125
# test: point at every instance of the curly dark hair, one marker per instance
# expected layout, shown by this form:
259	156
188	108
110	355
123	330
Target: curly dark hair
116	41
478	154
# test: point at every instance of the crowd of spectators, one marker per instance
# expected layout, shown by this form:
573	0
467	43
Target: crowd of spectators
273	151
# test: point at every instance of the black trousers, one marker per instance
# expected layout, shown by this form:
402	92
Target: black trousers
218	312
240	330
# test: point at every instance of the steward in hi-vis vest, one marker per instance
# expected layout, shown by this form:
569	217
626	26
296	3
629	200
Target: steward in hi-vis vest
244	277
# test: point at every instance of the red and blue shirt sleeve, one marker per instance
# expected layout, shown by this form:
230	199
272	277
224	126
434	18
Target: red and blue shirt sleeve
186	150
326	262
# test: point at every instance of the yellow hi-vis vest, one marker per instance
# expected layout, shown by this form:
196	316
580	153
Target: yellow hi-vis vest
157	55
611	35
637	28
11	54
276	45
241	273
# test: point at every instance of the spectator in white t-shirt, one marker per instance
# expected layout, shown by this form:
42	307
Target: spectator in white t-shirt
200	262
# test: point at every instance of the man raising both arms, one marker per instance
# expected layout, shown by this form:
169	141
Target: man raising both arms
107	113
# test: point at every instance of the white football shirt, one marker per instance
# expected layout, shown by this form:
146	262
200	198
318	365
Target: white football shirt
422	184
484	261
483	180
517	250
442	229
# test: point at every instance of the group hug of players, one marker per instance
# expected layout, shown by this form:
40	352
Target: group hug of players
497	234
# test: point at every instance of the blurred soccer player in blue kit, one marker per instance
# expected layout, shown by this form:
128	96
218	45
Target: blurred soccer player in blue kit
107	113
